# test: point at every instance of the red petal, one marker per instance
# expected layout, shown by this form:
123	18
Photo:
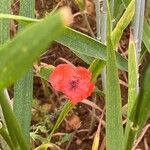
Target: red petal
80	93
59	74
64	73
84	73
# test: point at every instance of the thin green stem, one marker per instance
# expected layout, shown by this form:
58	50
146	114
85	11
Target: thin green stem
67	107
12	123
6	137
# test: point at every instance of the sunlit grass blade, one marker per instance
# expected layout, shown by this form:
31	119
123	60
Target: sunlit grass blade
23	89
132	83
140	111
132	74
123	23
20	45
114	128
80	43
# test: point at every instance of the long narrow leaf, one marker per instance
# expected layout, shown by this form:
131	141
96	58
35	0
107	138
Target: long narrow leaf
123	23
23	89
4	36
88	46
146	35
140	112
12	123
132	82
114	129
132	74
67	107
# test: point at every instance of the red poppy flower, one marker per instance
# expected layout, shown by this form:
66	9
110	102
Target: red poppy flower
74	82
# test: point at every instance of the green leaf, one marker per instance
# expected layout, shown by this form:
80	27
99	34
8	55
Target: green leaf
21	47
146	34
141	110
132	82
67	107
132	74
88	46
81	44
6	137
96	68
13	125
44	71
21	19
123	23
114	129
23	88
50	146
126	2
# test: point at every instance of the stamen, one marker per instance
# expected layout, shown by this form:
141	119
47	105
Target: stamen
74	84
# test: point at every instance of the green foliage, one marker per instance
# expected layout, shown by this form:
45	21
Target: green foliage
140	111
85	46
67	107
132	74
123	23
114	129
88	46
146	34
23	89
23	46
96	68
13	126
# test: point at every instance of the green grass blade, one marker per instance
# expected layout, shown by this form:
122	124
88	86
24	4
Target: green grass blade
132	82
48	29
126	2
67	107
114	129
23	89
146	34
23	96
123	23
84	45
4	36
140	112
96	68
13	126
117	8
132	74
4	24
6	137
88	46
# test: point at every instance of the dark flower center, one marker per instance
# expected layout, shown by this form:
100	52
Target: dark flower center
74	84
